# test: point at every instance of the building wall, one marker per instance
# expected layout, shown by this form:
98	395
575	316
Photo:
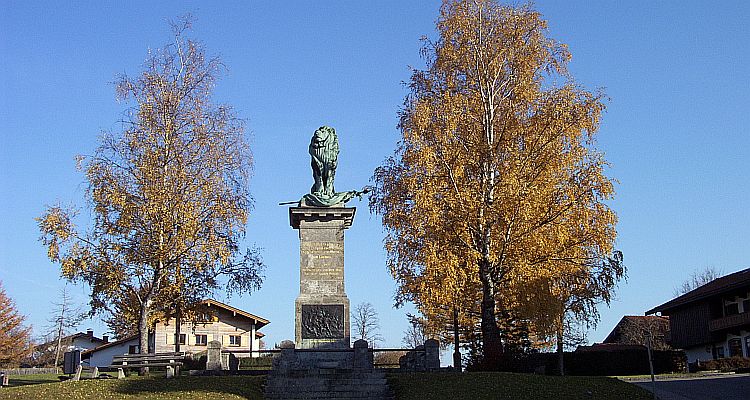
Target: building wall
224	324
103	358
85	343
702	353
706	352
689	325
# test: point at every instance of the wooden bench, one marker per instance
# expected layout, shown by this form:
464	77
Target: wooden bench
172	361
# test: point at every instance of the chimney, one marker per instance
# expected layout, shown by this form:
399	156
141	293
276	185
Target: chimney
90	332
105	338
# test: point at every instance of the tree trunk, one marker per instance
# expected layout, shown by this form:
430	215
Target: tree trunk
143	329
60	329
492	345
456	353
177	328
59	343
560	351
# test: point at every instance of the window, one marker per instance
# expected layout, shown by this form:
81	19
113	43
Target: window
133	349
747	345
235	340
201	340
182	338
206	318
735	347
718	352
746	305
731	309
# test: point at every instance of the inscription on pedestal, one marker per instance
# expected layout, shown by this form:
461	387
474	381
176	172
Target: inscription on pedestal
322	260
322	321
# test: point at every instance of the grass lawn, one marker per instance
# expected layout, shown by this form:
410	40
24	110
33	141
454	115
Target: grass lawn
199	388
416	386
499	385
21	380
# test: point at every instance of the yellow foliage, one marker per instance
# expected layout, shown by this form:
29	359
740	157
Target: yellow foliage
169	194
496	182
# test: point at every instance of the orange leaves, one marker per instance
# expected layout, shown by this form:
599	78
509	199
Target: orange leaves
496	165
169	193
15	339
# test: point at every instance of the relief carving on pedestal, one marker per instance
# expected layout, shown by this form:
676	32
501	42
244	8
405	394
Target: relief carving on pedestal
322	321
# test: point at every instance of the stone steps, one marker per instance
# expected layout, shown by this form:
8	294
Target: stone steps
317	383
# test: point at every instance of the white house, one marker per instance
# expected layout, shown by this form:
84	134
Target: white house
237	330
713	320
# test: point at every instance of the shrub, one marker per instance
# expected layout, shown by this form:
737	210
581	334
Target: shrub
194	362
260	363
724	364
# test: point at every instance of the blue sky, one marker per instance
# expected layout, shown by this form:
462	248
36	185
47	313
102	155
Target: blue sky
675	130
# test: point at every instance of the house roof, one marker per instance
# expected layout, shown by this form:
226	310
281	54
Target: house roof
259	322
71	338
638	320
717	286
108	345
610	347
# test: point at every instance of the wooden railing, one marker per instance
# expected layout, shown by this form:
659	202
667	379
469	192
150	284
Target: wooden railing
729	321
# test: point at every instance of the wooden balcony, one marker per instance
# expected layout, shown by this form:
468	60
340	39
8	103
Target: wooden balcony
731	321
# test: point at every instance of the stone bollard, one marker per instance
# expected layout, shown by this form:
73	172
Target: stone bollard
431	355
213	356
229	362
362	355
288	359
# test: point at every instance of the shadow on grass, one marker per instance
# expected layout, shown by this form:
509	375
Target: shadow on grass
32	380
501	385
248	387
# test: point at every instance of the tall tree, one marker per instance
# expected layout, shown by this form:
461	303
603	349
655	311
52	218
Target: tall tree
496	164
15	339
366	324
169	194
415	335
565	306
65	317
697	279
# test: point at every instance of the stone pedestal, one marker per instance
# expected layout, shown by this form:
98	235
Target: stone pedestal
322	308
213	356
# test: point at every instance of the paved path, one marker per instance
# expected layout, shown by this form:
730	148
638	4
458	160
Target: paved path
724	387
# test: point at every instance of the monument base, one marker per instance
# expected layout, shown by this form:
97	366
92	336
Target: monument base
320	322
322	308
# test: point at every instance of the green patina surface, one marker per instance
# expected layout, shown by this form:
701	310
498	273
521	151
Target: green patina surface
324	155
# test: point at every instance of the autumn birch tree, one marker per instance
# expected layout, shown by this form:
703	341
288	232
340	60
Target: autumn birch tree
169	195
496	165
563	306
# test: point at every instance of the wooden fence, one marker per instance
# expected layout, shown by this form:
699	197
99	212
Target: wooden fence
31	371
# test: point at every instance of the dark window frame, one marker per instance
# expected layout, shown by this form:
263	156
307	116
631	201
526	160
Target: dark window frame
735	347
204	342
731	309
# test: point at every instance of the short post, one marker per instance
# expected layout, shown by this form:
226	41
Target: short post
170	371
362	355
95	373
288	358
3	379
77	376
431	355
213	356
